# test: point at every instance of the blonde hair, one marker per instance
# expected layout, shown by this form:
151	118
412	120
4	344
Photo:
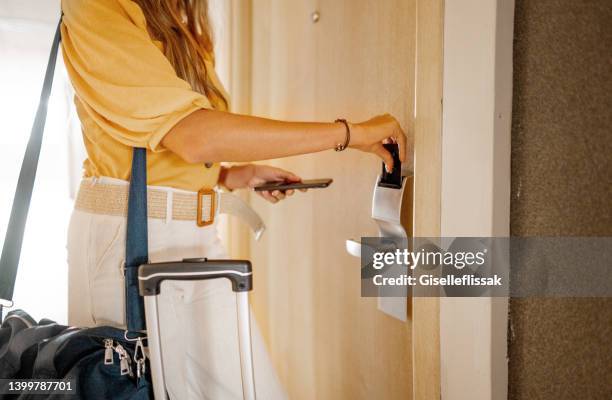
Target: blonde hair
184	29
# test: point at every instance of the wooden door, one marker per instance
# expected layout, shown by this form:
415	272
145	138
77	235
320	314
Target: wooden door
356	61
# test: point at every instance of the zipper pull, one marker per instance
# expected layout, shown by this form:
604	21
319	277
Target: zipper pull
125	366
124	360
108	351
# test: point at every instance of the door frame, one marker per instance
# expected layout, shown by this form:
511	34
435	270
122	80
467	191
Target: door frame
427	188
475	194
462	186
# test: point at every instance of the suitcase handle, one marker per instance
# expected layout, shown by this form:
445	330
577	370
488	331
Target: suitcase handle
239	272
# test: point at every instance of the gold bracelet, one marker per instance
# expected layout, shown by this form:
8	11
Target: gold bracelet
340	146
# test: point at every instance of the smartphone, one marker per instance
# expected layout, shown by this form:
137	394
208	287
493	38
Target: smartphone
305	184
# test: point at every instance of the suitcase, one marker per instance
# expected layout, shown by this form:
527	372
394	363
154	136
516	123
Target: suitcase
143	279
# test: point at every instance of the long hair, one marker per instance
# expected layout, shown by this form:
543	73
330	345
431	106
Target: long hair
184	29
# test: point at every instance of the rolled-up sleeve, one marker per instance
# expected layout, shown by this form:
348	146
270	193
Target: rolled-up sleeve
123	80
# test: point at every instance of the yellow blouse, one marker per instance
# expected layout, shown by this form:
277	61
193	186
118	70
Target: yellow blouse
128	94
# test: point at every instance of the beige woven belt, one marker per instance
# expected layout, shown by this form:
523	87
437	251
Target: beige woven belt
201	207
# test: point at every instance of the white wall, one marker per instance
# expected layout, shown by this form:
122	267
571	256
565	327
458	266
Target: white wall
35	10
26	33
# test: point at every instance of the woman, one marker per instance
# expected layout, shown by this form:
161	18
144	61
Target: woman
143	73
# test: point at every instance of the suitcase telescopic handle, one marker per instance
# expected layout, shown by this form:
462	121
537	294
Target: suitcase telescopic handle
239	272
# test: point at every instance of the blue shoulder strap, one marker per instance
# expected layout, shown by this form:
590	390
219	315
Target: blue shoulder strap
136	238
136	246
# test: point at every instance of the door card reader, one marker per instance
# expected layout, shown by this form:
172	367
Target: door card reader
394	178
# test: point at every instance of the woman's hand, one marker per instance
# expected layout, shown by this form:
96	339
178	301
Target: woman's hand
251	175
370	135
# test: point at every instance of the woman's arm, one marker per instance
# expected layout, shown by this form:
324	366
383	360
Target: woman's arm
213	136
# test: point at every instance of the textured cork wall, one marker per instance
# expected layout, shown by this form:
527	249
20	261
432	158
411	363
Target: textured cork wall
561	185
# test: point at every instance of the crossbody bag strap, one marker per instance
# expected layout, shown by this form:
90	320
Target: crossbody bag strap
136	243
11	250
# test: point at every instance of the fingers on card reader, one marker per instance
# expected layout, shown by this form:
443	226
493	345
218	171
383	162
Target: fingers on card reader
392	179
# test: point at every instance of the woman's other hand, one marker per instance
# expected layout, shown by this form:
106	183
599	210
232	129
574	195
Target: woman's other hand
251	175
370	135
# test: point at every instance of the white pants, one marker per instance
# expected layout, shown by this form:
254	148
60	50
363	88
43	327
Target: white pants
198	319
